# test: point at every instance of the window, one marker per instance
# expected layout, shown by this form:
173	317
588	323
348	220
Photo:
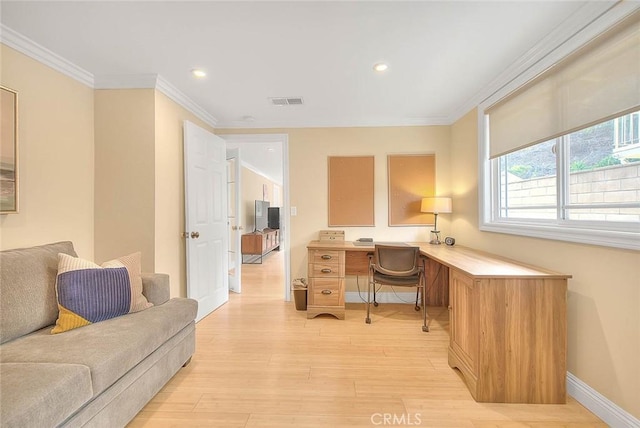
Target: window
627	132
527	183
596	184
561	153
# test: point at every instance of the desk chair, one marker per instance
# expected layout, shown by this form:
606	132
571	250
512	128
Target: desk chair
398	266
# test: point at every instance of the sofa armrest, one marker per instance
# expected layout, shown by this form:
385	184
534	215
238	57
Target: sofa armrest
155	287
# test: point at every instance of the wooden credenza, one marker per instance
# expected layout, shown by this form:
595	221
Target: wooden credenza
508	320
259	244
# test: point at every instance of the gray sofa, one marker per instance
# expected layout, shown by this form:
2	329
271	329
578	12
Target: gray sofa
98	375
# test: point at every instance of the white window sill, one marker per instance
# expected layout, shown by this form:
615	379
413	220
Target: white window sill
570	233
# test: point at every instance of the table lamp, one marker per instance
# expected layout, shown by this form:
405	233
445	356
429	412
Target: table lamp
435	206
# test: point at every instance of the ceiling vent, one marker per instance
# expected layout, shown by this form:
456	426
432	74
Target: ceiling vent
286	101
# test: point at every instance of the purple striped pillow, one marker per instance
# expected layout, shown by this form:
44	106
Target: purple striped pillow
88	293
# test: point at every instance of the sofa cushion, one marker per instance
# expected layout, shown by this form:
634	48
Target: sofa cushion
88	293
41	394
27	287
109	348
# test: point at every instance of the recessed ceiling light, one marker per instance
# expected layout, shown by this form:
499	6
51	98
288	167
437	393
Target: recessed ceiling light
198	72
381	66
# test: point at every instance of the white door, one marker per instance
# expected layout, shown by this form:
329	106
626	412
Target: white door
205	176
234	219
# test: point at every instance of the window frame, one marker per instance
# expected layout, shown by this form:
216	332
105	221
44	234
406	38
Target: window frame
609	234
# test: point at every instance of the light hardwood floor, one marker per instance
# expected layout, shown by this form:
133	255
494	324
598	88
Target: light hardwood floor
261	363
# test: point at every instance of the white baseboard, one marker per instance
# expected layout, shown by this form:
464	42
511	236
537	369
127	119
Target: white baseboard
381	297
599	405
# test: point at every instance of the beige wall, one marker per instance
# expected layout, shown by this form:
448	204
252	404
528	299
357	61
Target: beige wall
125	174
604	294
56	150
170	251
251	191
140	180
308	151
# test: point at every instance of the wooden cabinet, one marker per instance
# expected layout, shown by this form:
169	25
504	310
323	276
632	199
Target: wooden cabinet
326	283
258	244
508	337
463	324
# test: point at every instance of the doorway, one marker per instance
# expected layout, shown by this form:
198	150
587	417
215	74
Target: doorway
265	155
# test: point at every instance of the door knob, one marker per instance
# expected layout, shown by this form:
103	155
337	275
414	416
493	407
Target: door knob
195	235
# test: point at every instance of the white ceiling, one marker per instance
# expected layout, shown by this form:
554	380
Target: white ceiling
262	157
441	54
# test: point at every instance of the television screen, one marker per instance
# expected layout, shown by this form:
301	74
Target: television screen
262	215
274	217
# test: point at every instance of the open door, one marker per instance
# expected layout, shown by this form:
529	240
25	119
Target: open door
234	215
206	218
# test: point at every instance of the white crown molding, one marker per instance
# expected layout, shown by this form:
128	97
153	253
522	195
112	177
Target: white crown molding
589	21
598	404
180	98
126	81
387	122
155	81
257	171
22	44
601	13
255	138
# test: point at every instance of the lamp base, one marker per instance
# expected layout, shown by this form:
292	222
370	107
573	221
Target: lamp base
435	238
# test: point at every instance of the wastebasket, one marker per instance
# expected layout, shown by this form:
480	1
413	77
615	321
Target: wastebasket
300	293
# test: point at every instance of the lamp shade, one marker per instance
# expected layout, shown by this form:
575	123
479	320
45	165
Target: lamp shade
436	205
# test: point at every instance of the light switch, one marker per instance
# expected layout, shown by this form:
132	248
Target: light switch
294	211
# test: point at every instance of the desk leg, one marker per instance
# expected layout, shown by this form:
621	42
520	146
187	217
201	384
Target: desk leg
425	326
368	318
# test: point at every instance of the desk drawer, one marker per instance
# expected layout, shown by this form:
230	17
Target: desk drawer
333	270
326	292
326	256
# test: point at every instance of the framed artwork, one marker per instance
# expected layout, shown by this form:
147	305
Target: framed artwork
411	178
8	151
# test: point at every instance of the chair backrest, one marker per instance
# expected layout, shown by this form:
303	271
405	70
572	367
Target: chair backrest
396	260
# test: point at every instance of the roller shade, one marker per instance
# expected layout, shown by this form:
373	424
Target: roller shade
596	83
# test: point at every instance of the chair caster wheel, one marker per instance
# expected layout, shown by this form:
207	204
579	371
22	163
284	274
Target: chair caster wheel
417	308
425	328
368	320
375	304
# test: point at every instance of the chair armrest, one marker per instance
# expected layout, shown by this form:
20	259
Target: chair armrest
155	287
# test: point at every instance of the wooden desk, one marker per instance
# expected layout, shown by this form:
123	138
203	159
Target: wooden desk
507	319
